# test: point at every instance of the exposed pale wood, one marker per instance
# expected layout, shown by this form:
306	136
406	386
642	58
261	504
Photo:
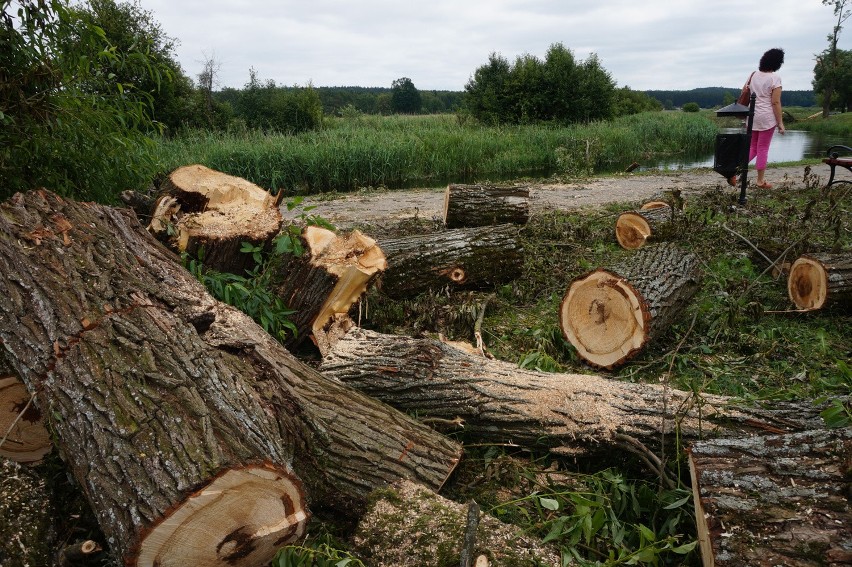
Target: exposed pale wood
156	389
499	403
633	229
201	208
322	284
457	258
411	525
818	280
78	553
483	205
774	500
654	205
610	315
23	435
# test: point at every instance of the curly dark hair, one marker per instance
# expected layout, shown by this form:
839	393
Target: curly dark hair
772	60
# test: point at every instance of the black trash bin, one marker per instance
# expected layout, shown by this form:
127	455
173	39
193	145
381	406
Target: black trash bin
728	158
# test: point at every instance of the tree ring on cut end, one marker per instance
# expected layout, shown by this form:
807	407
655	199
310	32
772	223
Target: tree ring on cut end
602	316
26	437
632	230
807	284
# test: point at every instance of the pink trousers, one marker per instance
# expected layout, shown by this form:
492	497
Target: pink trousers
760	140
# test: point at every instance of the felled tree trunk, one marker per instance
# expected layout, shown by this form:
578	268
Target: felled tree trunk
322	284
774	500
177	414
634	229
23	435
484	205
457	258
497	402
818	280
610	315
209	214
392	533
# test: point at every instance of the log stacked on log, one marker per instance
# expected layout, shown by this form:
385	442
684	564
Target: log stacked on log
322	284
497	402
205	209
610	315
634	229
410	525
23	435
457	258
172	408
774	500
818	280
484	205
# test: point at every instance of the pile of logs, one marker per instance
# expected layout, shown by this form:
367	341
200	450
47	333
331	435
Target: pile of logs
178	415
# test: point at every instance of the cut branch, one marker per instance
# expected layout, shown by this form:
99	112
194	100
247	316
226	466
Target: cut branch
819	280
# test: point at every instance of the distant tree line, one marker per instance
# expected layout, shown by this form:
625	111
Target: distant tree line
711	97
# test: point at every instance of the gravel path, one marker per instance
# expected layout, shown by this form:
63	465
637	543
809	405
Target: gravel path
351	209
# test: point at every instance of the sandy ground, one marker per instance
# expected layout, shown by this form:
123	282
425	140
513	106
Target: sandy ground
348	210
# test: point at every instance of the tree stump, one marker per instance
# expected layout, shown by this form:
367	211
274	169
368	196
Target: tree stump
209	214
457	258
177	414
497	402
610	315
818	280
323	284
410	525
634	229
23	435
484	205
774	500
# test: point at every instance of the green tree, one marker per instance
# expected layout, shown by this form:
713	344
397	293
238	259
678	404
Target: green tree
268	107
65	125
633	102
486	94
691	107
828	73
405	98
834	76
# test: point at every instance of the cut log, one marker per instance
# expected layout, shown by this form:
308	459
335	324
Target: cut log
610	315
819	280
23	435
774	500
634	229
159	394
410	525
484	205
654	205
209	214
322	284
568	413
457	258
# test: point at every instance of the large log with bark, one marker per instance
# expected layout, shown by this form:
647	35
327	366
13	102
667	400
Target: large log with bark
411	525
323	283
610	315
209	214
634	229
177	414
457	258
484	205
818	280
497	402
775	499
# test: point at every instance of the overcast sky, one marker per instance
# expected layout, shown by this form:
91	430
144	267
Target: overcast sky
438	44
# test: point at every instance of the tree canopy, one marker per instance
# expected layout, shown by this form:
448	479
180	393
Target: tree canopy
405	98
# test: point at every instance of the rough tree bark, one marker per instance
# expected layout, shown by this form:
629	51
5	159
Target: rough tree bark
462	257
160	396
484	205
634	229
818	280
322	284
410	525
610	315
497	402
205	209
774	500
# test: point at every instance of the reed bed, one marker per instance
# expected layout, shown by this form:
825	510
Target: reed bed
404	151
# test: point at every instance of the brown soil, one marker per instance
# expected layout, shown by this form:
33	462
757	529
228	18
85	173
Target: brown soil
376	207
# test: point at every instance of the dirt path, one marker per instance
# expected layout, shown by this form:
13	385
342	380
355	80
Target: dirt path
382	206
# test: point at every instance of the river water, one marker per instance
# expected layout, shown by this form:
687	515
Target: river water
794	145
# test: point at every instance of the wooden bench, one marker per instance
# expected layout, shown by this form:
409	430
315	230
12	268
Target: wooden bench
834	159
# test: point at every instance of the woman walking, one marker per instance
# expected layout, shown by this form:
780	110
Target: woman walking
766	84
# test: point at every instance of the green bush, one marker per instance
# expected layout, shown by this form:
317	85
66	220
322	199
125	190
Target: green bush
691	107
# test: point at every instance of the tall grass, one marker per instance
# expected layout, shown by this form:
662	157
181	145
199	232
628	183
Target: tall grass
401	151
